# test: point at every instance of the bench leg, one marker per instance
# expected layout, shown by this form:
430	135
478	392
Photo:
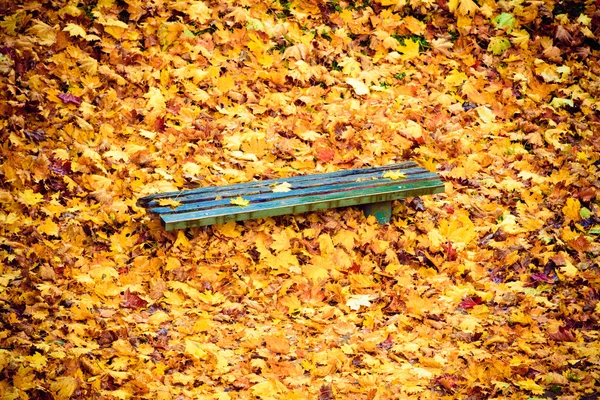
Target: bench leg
381	211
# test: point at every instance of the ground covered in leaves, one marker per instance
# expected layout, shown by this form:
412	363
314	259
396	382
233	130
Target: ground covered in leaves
490	290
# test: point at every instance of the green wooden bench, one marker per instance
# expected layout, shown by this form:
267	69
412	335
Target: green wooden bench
374	188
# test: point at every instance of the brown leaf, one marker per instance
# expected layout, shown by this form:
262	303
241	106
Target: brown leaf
587	194
326	392
131	300
386	344
562	335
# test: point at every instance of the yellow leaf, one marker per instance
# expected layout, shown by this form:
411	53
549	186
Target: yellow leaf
45	33
169	203
315	272
240	201
355	301
228	230
520	38
64	386
571	209
194	349
464	7
359	86
486	114
269	389
37	361
569	269
30	198
529	384
48	227
394	175
71	10
11	22
469	324
225	83
182	241
282	187
409	50
75	30
156	100
456	78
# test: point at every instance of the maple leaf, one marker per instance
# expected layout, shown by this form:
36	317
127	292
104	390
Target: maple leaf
464	7
131	300
277	344
173	203
562	335
498	45
410	49
530	385
282	187
45	34
356	301
239	201
360	88
64	386
30	198
571	209
394	175
69	98
505	20
75	30
470	302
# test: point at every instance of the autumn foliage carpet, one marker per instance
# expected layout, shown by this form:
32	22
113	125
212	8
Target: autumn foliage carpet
490	290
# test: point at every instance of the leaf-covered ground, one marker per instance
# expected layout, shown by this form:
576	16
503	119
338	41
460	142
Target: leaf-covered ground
490	290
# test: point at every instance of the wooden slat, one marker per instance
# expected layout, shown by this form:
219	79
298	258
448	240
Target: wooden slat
301	204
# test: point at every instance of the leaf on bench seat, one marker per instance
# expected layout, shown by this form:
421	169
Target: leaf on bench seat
169	203
394	175
240	201
282	187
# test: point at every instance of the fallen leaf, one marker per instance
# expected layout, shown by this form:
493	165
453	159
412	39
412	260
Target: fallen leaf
239	201
282	187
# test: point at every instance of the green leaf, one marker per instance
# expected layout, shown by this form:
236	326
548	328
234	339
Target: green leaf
505	20
498	45
585	213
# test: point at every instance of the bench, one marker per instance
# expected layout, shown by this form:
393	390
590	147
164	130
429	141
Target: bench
374	188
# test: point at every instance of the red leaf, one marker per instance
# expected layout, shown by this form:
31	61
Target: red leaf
451	253
354	269
326	392
470	302
386	344
131	300
541	277
60	167
70	98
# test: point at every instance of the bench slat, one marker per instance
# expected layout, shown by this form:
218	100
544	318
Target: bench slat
294	205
